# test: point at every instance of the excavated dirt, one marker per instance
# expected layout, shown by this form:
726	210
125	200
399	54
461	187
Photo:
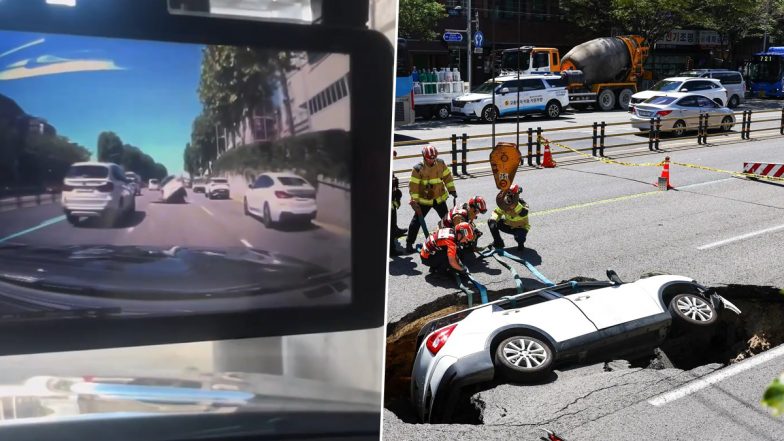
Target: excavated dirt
759	328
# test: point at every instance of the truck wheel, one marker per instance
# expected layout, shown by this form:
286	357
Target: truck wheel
442	112
489	114
624	98
553	109
606	100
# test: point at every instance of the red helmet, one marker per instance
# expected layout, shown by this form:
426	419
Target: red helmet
429	152
463	229
516	189
458	211
478	202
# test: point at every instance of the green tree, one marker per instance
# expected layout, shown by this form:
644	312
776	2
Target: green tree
591	15
651	19
418	18
110	147
733	20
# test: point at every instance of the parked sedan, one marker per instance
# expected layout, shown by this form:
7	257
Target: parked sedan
521	338
280	197
680	112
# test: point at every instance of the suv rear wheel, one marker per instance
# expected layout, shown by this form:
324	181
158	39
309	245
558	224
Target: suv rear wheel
523	358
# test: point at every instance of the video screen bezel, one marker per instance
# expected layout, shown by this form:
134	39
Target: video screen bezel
371	125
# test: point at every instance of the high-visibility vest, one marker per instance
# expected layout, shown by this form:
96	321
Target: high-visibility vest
443	239
430	185
516	218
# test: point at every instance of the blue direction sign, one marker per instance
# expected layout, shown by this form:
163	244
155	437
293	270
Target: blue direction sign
479	38
453	37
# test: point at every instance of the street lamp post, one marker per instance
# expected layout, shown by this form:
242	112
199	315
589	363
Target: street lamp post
467	30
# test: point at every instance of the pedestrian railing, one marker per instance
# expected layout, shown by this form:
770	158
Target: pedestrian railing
530	140
9	200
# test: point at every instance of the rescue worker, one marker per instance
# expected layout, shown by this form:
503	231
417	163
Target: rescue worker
513	221
440	249
430	185
394	231
467	212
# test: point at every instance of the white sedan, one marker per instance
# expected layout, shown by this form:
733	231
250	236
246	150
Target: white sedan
280	197
521	338
680	112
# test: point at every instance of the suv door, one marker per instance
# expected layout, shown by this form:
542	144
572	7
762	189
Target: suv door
258	193
615	305
532	95
507	102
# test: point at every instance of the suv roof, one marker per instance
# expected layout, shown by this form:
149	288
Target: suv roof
528	77
105	164
691	79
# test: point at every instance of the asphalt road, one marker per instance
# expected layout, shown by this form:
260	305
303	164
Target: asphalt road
618	402
587	217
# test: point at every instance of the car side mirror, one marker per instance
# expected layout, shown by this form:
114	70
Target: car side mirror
613	276
504	90
684	90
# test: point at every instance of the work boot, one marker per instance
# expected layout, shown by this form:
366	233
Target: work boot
400	232
410	249
521	247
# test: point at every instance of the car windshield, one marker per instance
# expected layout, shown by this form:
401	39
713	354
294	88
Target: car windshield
667	86
153	181
661	100
88	171
766	69
486	87
291	181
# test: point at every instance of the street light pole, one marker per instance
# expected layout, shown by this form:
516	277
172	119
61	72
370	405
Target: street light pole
468	27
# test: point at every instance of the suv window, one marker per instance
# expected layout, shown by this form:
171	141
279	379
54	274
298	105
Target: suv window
88	171
263	181
557	82
532	84
692	86
511	85
728	77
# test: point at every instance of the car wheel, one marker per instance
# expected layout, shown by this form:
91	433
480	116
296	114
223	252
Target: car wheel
489	114
442	112
245	206
726	124
692	310
679	128
606	100
734	101
73	220
624	99
266	217
523	358
553	109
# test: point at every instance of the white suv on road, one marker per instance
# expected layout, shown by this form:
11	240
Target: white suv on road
97	190
522	337
545	94
707	87
278	197
217	188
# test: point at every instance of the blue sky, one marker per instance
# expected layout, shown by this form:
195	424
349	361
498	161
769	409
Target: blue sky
144	91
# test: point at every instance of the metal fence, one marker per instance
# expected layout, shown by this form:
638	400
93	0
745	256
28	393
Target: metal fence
18	197
600	140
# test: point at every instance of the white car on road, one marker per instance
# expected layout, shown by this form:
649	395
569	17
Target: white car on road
97	190
680	112
217	188
522	339
154	185
136	181
703	86
545	94
173	190
280	197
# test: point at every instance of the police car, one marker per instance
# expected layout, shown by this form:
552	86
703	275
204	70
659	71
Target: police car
545	94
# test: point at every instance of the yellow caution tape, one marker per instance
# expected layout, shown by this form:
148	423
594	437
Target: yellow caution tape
602	159
659	164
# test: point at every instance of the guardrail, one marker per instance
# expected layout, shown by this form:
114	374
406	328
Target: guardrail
532	138
21	201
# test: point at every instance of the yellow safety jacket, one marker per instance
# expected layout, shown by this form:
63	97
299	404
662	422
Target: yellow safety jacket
430	185
517	218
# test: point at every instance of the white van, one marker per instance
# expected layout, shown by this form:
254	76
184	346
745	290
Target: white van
545	94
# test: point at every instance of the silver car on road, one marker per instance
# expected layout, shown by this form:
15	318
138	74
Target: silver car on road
679	113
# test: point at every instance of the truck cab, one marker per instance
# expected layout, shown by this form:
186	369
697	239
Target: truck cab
530	60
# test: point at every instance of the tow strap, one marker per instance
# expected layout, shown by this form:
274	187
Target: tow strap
496	252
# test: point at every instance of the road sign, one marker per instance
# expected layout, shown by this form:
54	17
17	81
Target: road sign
453	37
478	50
479	38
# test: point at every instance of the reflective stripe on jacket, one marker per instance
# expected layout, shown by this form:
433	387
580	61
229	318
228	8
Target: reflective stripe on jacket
517	218
430	185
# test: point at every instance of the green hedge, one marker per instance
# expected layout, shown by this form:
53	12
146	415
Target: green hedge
326	153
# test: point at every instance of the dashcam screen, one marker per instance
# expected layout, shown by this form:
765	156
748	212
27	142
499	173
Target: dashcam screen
145	178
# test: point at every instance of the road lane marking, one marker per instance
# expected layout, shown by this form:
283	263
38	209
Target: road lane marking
246	243
702	383
43	224
208	211
592	203
741	237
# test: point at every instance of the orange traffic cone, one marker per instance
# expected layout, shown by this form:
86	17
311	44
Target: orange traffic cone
548	157
664	179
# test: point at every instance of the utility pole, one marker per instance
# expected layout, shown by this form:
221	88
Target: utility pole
470	38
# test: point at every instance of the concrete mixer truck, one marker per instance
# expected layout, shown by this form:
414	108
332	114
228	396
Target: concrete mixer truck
602	73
